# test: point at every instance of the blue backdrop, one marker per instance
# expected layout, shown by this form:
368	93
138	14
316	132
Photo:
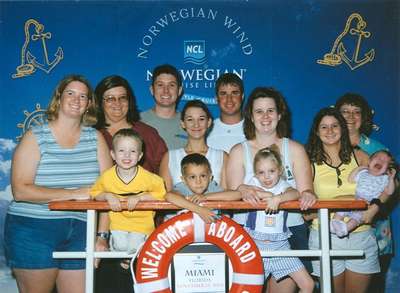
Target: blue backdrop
271	43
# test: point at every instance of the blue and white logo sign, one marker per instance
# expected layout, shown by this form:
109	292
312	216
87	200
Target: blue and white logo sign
194	52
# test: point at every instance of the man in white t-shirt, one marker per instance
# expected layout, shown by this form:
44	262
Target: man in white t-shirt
166	88
228	128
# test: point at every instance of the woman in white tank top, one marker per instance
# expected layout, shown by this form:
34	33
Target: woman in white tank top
195	120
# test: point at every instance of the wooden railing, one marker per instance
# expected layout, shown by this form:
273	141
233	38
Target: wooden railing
322	206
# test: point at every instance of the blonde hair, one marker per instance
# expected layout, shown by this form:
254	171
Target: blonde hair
89	117
271	152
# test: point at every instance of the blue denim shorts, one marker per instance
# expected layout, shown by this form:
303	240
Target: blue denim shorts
30	242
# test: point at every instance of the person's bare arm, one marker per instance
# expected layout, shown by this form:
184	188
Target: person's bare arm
235	175
223	182
164	171
179	200
223	195
23	172
303	175
103	153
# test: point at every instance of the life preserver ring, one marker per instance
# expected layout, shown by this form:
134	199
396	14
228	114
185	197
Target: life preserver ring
157	252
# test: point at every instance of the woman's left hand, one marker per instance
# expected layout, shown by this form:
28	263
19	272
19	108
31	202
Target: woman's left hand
307	199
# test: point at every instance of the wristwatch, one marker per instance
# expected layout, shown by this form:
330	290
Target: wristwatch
103	235
376	201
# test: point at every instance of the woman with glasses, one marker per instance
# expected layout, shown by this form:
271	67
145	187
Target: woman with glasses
117	109
358	115
58	160
332	159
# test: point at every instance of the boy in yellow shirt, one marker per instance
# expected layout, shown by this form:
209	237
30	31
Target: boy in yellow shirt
127	181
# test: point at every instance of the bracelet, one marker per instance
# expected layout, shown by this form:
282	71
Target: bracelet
103	235
377	202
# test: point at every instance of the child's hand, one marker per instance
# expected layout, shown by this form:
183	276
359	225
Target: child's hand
272	204
263	195
132	202
197	198
206	214
114	202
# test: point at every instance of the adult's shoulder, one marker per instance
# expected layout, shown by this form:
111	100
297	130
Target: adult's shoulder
141	126
146	114
237	148
295	146
148	132
370	145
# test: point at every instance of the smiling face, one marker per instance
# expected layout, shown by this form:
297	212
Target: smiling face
115	104
267	172
379	163
196	122
265	115
329	130
165	90
74	100
353	116
127	152
229	99
197	178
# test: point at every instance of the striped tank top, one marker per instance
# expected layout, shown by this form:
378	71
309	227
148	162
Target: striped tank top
61	167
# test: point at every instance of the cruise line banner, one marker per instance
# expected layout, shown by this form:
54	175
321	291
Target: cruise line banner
312	51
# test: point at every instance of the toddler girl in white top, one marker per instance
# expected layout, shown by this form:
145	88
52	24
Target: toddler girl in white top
371	181
268	228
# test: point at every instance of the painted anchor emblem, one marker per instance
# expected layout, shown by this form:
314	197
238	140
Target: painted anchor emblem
29	62
338	52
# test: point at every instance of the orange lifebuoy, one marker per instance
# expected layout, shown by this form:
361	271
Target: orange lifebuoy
157	252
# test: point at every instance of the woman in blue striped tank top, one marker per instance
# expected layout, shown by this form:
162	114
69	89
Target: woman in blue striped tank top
57	160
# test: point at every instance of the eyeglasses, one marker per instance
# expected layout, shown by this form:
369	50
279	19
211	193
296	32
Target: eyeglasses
114	100
347	113
339	180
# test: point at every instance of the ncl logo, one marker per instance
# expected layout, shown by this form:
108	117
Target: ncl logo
194	52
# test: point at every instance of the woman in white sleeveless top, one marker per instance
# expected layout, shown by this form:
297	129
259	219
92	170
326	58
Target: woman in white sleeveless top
266	122
196	120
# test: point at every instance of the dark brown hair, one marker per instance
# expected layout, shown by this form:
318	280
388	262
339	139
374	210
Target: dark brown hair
314	146
282	128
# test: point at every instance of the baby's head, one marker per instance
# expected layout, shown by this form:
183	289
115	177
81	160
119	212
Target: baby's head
196	172
268	166
126	148
380	162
